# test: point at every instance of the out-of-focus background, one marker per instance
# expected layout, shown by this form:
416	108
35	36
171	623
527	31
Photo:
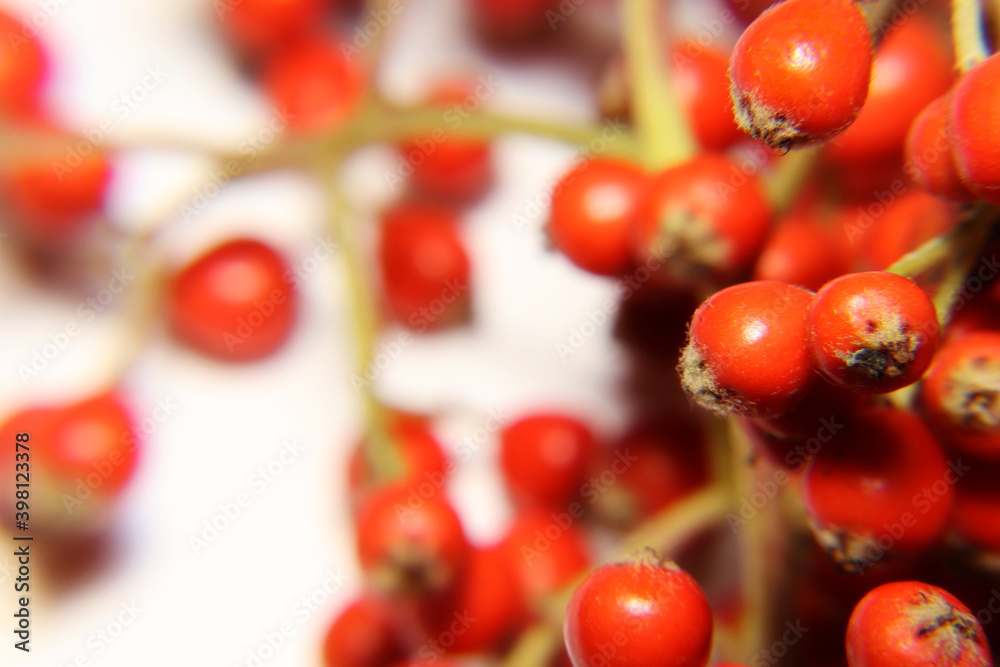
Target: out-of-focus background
232	546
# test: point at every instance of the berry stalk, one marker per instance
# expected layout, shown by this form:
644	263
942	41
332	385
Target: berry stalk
968	33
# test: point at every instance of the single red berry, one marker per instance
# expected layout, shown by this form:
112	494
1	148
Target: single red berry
424	460
974	121
655	464
424	265
960	395
907	222
746	351
912	623
930	157
364	634
800	71
24	68
313	85
874	332
913	66
641	612
445	167
236	302
257	26
52	202
545	457
591	217
410	545
547	550
704	219
878	490
803	251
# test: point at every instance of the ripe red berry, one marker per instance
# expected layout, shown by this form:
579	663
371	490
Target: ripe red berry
800	71
547	550
977	505
257	26
545	457
24	68
424	266
873	331
913	66
704	219
960	395
912	623
52	202
313	85
746	351
878	490
974	121
930	157
410	545
640	612
907	222
364	634
803	251
424	460
450	168
591	217
234	302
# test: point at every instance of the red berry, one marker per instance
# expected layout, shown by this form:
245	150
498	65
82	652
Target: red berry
364	634
591	217
977	505
906	623
261	25
447	167
408	544
802	251
913	66
974	121
24	68
930	158
800	71
424	459
746	351
648	611
313	85
545	457
702	85
908	221
880	489
424	266
234	302
960	395
547	550
873	332
704	219
51	202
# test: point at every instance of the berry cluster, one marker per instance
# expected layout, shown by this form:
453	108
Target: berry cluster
799	222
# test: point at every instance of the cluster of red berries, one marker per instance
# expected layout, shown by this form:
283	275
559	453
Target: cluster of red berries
857	368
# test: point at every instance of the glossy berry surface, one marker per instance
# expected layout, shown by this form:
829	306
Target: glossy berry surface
236	302
746	351
930	158
912	623
874	332
975	128
800	72
591	216
642	612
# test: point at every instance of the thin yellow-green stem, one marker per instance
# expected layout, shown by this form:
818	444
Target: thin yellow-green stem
665	137
968	33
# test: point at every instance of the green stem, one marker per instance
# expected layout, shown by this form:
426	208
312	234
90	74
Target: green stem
967	33
660	121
